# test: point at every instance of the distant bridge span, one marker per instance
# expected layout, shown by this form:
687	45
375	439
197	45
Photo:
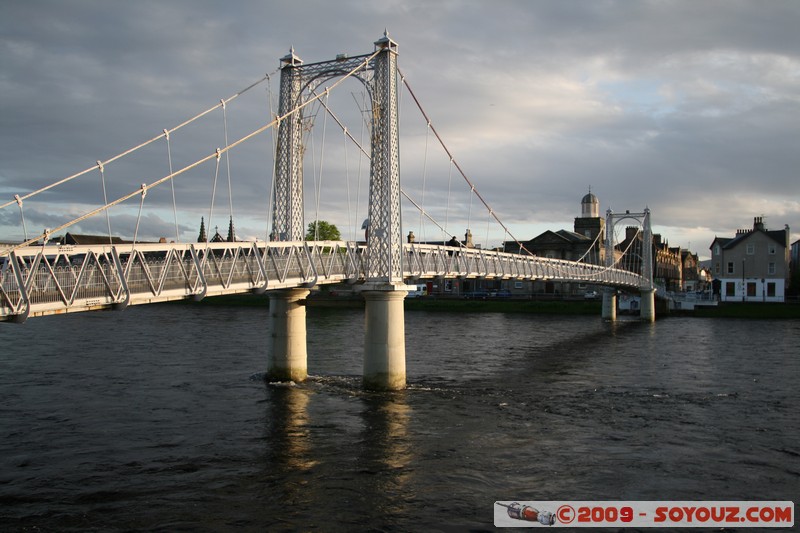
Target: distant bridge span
48	280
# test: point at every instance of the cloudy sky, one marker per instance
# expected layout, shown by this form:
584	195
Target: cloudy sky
691	108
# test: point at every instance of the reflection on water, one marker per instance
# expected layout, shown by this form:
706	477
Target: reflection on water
386	419
149	420
386	453
289	435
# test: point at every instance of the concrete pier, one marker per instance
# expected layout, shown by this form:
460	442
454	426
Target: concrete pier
609	304
648	307
287	358
384	338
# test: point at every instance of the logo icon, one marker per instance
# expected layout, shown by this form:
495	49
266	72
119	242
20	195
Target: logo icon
529	514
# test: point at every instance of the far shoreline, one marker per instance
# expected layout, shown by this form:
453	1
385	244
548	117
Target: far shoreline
747	310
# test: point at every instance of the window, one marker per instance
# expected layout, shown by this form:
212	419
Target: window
730	288
716	268
716	249
517	284
770	289
772	249
771	268
751	289
751	249
730	267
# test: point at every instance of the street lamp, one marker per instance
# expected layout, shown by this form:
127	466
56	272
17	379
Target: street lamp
744	288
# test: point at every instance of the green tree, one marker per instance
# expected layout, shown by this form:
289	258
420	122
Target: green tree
322	230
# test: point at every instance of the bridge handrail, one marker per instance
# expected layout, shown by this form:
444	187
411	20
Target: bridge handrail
65	278
509	265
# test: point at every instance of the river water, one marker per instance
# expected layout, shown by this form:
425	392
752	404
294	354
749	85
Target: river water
157	418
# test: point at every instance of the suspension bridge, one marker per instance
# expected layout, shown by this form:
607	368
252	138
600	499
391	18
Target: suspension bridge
39	278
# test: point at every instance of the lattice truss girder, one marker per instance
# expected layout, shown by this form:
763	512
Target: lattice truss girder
65	279
445	261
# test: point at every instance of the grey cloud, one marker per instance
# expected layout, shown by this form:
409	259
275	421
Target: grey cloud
676	105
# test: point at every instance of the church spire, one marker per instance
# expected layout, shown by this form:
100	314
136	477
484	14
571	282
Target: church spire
231	233
202	237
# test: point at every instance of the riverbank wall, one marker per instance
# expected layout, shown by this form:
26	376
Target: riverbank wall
748	310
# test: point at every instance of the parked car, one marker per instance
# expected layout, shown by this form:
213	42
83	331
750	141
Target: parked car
476	295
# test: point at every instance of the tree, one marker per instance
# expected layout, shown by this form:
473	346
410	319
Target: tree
325	232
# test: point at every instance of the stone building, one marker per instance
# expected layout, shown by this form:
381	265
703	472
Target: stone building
667	261
583	243
590	224
692	279
753	265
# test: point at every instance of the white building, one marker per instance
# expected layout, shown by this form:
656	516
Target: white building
753	266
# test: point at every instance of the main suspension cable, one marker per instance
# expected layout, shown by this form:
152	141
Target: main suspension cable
455	163
137	147
363	151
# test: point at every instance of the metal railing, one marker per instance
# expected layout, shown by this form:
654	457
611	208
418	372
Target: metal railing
43	280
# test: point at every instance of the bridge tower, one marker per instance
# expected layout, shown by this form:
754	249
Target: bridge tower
383	290
288	358
647	289
287	205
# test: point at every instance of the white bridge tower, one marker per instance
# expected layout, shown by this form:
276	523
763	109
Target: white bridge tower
647	289
384	290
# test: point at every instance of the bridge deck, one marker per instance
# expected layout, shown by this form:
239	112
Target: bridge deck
45	280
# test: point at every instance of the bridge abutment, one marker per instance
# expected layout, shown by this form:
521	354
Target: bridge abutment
648	306
287	358
384	339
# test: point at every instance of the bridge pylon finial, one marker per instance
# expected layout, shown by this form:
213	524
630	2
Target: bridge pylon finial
291	59
386	42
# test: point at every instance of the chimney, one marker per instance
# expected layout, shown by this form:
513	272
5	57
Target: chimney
758	224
